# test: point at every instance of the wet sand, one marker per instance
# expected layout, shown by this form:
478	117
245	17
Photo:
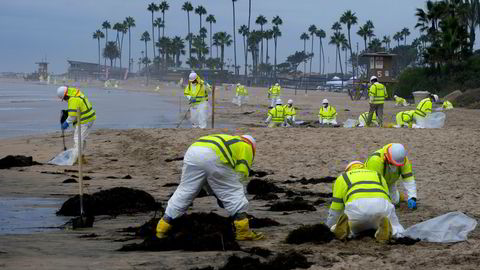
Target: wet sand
445	167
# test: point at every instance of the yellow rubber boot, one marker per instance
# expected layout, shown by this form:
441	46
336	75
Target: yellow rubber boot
243	232
162	229
342	228
384	231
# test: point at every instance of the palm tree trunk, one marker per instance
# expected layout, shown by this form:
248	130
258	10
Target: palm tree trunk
121	47
222	50
266	54
305	53
129	49
99	68
351	52
246	55
153	38
320	56
163	28
106	41
261	52
275	63
234	39
311	59
340	61
211	40
323	57
336	62
189	38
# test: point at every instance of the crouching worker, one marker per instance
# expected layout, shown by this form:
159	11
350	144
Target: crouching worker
276	116
290	113
219	164
405	119
361	202
362	119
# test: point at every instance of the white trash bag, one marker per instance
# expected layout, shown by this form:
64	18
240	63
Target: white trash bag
350	123
65	158
434	120
448	228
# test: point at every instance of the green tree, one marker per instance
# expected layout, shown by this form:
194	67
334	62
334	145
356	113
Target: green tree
386	40
130	22
268	34
145	38
405	33
164	6
178	48
397	37
106	25
98	35
363	32
304	36
224	39
111	52
375	45
120	28
313	30
336	27
152	7
321	35
211	19
276	34
348	18
187	6
370	27
234	40
338	39
243	30
158	23
254	39
261	20
200	10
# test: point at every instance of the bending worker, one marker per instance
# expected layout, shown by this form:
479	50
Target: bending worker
241	94
219	164
276	115
392	163
400	101
290	113
424	108
377	94
405	119
274	94
362	119
447	105
76	99
361	202
197	95
327	114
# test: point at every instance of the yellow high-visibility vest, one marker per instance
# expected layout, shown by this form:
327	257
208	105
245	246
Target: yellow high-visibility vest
78	100
378	92
424	107
328	113
198	92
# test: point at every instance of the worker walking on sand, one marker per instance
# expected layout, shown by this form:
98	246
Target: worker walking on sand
274	94
362	119
327	115
276	115
197	95
219	164
76	99
241	95
377	94
424	108
400	101
405	119
290	113
361	202
392	163
447	105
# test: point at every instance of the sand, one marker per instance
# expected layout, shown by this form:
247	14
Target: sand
445	165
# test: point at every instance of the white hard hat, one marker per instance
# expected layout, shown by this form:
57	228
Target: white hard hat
396	154
252	142
354	165
394	96
435	98
62	92
290	101
325	101
277	84
238	84
279	102
373	78
192	77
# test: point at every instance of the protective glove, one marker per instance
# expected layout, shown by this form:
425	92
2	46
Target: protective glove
193	100
371	99
412	203
65	125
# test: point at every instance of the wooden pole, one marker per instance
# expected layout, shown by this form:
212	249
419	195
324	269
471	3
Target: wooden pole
80	172
213	106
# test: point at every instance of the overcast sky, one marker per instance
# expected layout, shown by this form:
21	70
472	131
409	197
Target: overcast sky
62	29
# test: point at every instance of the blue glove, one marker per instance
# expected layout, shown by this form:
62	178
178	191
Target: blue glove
64	125
412	203
193	100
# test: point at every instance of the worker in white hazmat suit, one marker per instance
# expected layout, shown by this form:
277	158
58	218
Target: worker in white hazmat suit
218	163
290	113
196	93
361	202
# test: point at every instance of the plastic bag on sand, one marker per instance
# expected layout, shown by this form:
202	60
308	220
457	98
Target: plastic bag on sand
451	227
435	120
350	123
65	158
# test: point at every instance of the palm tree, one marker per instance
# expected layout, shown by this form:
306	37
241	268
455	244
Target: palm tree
146	38
211	19
363	32
268	34
98	35
370	27
312	29
234	40
152	7
321	34
130	22
216	42
158	23
106	25
111	52
178	49
304	36
405	32
200	10
336	27
187	6
243	30
276	34
397	37
375	45
338	39
386	40
261	20
163	7
348	18
224	39
120	28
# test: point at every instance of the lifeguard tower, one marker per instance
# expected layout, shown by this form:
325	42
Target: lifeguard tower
42	70
380	64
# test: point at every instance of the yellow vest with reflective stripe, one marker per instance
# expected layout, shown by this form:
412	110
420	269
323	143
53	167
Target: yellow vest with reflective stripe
357	184
290	111
241	90
378	162
198	92
78	100
378	92
329	113
364	117
277	114
274	90
447	105
399	100
231	151
424	107
405	118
